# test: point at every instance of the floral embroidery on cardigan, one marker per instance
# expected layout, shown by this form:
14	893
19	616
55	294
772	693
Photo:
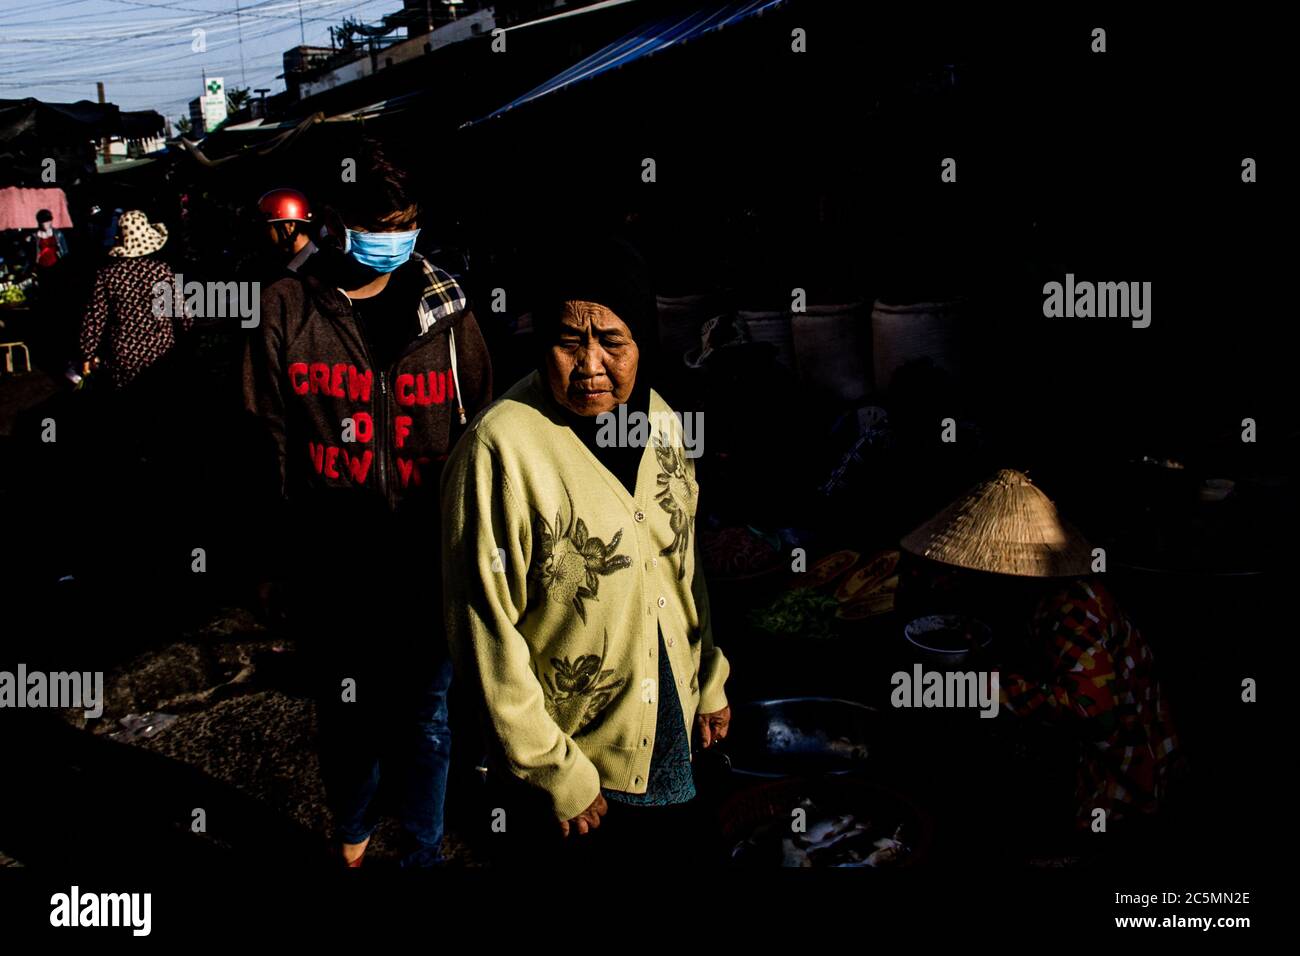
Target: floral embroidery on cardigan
577	691
569	562
676	493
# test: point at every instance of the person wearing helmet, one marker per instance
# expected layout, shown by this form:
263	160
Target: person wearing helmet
359	380
288	218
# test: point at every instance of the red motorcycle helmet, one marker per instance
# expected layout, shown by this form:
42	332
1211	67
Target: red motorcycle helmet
284	205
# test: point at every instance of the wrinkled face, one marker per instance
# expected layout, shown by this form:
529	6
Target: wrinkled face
591	365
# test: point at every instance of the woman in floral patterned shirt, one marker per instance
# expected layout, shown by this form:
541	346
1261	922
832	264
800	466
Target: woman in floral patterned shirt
575	605
130	323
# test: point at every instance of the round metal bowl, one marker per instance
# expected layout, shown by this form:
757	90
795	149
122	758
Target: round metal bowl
922	634
801	736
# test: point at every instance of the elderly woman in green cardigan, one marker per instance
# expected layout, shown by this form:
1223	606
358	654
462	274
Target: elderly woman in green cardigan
574	598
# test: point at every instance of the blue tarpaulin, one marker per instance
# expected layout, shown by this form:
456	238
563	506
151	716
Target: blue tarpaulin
645	41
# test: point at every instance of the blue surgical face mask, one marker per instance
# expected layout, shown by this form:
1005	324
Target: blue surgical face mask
381	251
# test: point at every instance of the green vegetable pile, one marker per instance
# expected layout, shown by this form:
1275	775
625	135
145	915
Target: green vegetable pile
803	611
12	295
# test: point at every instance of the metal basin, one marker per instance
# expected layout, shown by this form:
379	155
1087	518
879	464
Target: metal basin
802	736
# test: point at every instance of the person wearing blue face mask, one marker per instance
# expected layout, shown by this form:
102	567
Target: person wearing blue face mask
381	251
361	376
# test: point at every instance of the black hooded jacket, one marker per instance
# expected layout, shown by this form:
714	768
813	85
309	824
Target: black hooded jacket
347	445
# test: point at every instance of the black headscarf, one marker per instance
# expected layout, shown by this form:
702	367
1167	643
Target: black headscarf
608	271
612	273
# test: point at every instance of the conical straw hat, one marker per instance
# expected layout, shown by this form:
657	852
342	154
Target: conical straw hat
1004	526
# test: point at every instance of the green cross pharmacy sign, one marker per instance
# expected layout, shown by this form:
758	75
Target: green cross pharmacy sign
213	102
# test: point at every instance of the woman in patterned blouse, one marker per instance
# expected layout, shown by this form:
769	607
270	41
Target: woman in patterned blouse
124	330
1078	674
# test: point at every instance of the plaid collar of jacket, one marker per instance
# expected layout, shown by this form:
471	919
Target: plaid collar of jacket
441	297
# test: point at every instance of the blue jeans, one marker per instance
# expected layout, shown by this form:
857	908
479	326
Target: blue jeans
397	730
373	617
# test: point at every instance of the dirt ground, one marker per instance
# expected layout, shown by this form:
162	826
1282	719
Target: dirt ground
240	719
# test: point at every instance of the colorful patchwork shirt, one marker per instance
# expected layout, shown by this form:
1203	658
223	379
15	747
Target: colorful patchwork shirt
1102	683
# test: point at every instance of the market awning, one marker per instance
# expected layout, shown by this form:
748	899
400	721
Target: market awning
60	122
391	105
383	107
33	132
18	207
141	124
290	133
646	41
122	165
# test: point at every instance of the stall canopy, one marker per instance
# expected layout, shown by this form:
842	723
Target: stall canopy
18	207
66	122
643	42
32	131
141	124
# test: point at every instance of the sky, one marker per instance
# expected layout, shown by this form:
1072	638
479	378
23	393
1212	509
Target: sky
143	50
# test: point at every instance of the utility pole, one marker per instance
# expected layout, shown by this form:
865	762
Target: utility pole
108	156
239	29
302	30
